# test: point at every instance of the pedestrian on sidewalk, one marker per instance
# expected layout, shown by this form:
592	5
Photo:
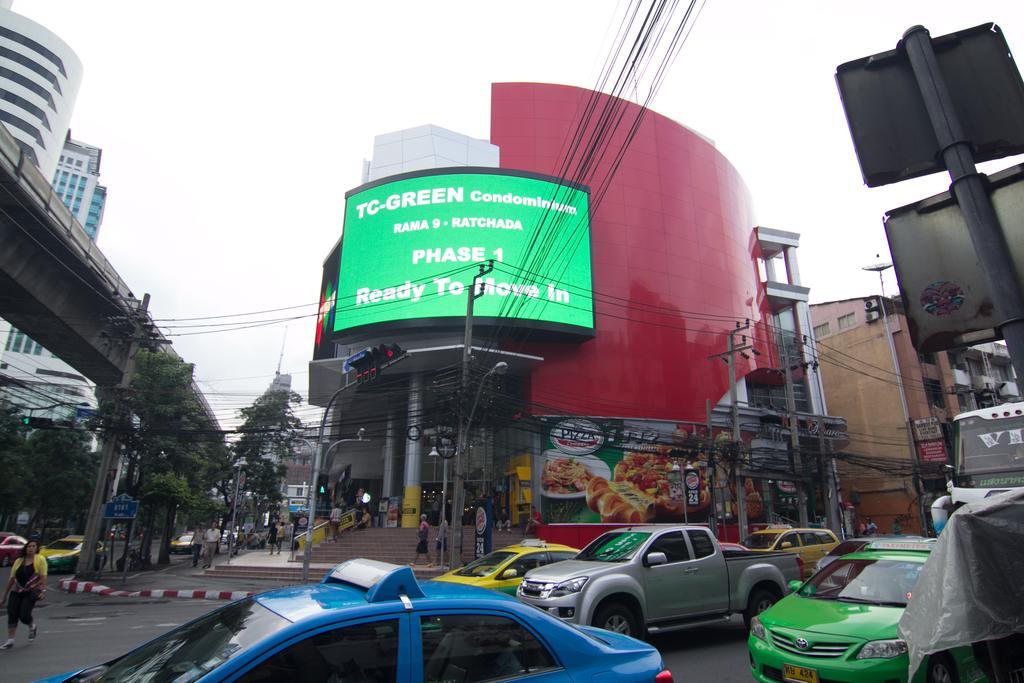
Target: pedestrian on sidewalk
25	586
197	545
272	538
421	540
335	522
281	532
289	531
210	539
441	544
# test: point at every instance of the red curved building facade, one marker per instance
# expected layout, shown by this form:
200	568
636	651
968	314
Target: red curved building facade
674	260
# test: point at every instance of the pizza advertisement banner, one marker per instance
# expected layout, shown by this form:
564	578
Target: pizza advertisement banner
621	472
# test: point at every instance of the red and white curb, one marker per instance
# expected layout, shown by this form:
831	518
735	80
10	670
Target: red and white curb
72	586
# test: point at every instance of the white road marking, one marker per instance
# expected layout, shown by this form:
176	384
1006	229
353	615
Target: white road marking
82	620
162	625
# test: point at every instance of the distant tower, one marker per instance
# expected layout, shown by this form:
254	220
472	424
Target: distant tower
39	80
77	182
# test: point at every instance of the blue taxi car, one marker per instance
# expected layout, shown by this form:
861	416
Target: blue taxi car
372	622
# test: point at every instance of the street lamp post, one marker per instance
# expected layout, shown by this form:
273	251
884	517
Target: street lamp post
445	456
458	494
234	508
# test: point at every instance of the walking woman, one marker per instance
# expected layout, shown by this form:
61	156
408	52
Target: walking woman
26	585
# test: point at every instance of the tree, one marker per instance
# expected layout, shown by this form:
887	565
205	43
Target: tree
267	438
164	432
13	474
60	468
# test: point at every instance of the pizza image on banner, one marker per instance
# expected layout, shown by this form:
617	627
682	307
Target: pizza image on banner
609	473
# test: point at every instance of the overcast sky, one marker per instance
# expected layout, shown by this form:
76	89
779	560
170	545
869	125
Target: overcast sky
231	130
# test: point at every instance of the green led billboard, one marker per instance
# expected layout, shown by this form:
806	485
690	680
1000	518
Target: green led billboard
411	246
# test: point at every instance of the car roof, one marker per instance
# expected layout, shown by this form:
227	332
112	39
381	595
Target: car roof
529	548
370	587
784	529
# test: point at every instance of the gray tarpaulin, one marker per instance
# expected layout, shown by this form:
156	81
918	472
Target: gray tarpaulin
972	586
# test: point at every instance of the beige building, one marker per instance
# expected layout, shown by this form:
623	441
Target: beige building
861	384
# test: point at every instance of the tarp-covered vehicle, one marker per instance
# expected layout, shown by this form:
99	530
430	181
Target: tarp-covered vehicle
971	590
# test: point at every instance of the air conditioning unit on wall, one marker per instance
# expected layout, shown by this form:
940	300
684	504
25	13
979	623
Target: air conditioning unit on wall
981	382
1008	390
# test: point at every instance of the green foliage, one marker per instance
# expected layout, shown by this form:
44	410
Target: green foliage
60	472
13	472
167	490
267	435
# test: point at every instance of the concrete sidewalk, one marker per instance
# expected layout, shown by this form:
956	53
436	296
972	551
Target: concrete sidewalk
180	577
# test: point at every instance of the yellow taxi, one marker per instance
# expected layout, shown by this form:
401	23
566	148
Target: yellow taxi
502	570
810	544
182	544
62	554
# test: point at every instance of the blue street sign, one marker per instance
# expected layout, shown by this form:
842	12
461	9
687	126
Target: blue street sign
346	367
121	507
84	413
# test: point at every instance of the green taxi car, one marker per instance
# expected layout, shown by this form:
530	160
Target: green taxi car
841	625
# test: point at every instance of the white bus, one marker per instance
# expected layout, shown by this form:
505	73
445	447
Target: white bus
988	457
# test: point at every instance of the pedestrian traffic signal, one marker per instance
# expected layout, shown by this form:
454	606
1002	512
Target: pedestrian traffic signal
368	362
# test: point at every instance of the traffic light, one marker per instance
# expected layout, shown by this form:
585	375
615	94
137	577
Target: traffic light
37	422
368	362
872	309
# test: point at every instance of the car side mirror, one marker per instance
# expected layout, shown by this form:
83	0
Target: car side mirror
786	544
509	574
794	586
655	559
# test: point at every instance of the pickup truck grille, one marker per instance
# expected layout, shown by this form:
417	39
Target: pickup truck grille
533	589
819	648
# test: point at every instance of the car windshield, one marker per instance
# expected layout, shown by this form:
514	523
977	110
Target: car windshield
847	547
485	565
185	538
761	541
64	545
875	582
614	546
193	650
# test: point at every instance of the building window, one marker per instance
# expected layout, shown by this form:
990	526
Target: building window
933	392
821	330
926	358
847	321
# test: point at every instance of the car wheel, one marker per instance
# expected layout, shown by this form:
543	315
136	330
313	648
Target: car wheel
760	600
942	670
618	618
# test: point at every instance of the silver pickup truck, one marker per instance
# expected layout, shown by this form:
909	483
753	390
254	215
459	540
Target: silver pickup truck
652	579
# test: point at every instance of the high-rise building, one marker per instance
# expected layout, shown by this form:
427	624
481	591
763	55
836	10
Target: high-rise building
76	181
39	80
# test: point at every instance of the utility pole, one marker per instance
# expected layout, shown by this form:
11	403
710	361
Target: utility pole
828	482
713	492
907	422
734	410
458	480
730	358
108	458
794	436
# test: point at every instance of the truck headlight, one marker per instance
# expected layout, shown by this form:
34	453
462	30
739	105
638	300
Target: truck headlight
568	587
883	649
757	629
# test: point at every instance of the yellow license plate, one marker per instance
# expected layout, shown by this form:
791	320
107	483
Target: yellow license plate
799	674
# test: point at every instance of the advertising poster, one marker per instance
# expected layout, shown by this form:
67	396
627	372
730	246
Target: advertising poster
617	472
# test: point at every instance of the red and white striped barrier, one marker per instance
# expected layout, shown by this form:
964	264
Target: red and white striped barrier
73	586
